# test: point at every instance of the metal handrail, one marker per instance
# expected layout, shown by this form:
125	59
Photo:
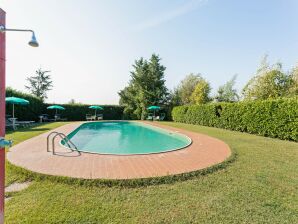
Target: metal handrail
63	137
48	137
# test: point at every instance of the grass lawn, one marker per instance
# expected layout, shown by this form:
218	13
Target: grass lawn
261	186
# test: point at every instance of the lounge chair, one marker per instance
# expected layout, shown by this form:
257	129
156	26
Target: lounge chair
150	117
99	117
89	117
58	118
161	117
45	118
24	123
10	124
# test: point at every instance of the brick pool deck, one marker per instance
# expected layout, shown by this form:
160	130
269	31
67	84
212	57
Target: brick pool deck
31	154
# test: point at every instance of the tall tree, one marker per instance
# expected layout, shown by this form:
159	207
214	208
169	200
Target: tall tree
269	82
146	87
175	98
294	84
40	84
227	92
201	93
186	87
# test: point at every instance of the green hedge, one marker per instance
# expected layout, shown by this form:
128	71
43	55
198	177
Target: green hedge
77	112
272	118
73	112
28	112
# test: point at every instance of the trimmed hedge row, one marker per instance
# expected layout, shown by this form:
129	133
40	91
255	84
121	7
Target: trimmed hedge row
77	112
73	112
271	118
29	112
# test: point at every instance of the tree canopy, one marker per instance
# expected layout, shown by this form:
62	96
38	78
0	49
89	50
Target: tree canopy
146	87
40	84
294	84
269	82
200	95
227	92
182	94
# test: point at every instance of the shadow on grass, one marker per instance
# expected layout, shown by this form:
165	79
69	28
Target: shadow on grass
33	129
30	129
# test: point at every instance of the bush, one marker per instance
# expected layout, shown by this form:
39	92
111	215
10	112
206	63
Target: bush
271	118
73	112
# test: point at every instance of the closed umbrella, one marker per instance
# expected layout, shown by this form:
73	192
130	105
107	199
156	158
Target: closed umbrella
94	107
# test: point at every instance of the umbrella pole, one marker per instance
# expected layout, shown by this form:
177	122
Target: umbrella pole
13	120
95	112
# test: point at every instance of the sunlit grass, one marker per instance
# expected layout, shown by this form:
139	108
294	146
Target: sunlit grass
21	135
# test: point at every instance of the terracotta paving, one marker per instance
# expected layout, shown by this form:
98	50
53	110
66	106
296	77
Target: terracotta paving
31	154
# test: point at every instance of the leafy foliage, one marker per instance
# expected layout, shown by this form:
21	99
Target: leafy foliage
40	84
294	84
146	87
273	118
200	95
227	92
182	94
270	82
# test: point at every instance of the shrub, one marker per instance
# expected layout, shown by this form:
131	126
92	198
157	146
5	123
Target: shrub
272	118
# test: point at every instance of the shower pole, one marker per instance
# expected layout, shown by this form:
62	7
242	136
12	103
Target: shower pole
2	115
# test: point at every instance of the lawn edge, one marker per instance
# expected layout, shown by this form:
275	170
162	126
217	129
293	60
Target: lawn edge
132	183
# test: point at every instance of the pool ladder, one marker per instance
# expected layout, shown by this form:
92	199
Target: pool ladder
69	143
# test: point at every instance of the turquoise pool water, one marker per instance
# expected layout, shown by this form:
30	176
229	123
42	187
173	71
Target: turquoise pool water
124	138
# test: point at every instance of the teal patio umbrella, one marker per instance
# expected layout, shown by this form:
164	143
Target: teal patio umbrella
16	100
55	107
94	107
154	108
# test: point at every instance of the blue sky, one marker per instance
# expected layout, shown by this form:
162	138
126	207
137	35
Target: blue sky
90	45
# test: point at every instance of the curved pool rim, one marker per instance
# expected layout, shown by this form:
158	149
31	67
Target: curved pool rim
132	154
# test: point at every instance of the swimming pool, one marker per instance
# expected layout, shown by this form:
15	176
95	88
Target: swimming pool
125	138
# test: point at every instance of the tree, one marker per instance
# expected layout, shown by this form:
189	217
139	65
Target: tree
146	87
201	92
127	99
294	82
227	92
185	88
40	84
72	101
174	98
269	82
